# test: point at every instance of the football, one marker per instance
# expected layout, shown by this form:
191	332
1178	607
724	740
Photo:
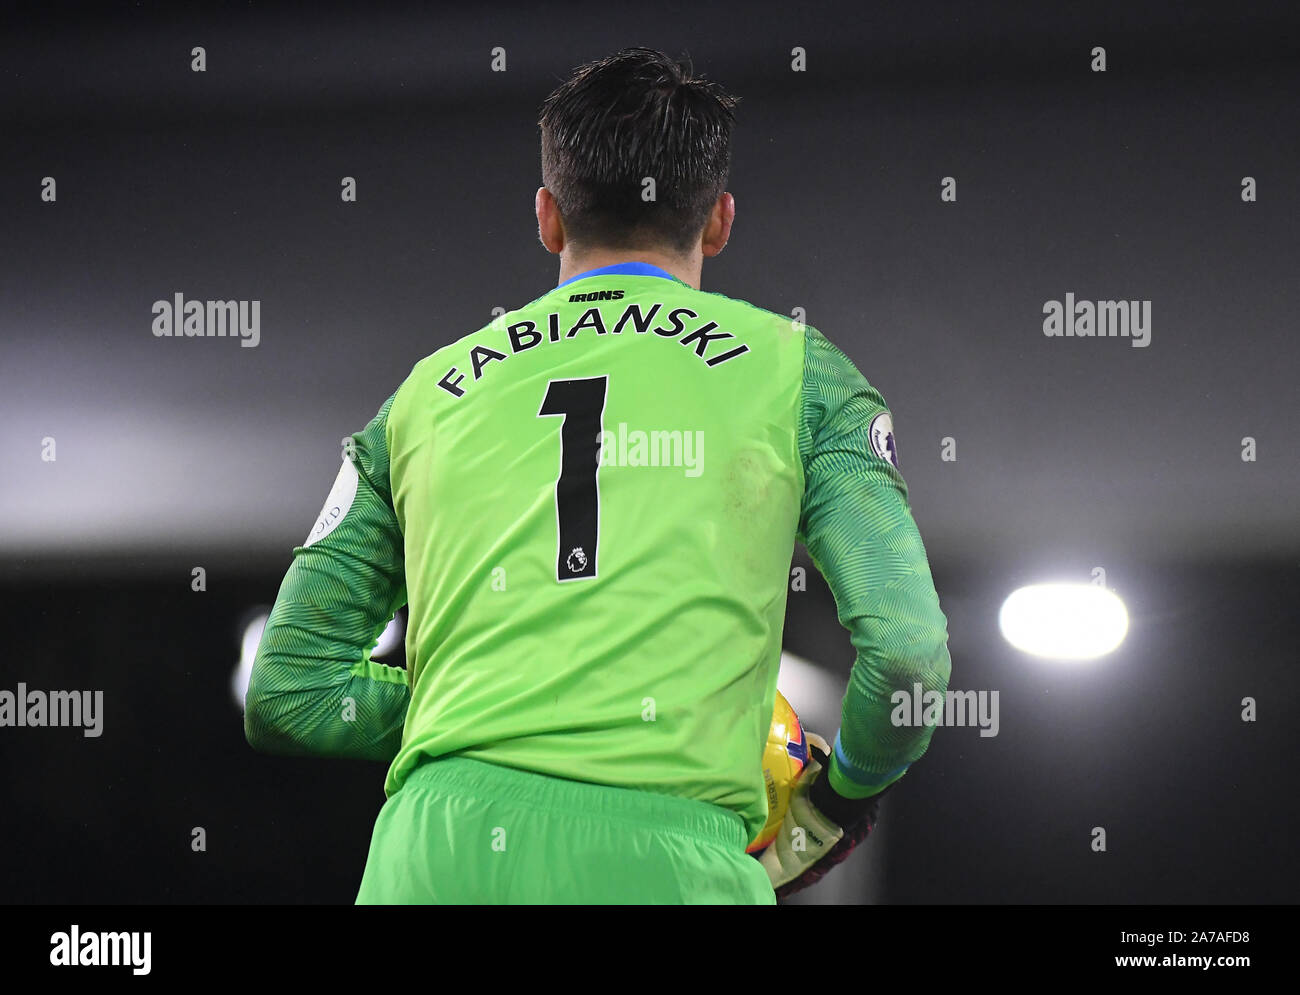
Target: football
784	757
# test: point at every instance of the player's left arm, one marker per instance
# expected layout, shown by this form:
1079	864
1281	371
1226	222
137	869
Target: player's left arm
857	525
314	689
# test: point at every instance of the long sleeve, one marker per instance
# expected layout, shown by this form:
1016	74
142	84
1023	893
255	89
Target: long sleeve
314	689
858	528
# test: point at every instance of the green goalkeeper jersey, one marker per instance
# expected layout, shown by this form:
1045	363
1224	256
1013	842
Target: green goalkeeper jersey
590	506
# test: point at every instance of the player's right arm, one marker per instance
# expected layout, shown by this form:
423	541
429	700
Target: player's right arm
314	689
858	528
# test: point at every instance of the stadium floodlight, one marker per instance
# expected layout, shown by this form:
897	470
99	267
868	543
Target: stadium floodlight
1064	621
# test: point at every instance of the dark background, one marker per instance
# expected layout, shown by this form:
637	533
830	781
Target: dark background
1072	454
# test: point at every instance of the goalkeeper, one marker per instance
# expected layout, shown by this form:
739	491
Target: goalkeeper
590	506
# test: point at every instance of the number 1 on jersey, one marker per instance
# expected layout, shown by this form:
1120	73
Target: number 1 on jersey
577	497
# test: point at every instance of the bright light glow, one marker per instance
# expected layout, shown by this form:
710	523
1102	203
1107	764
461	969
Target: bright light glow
247	650
1064	621
813	692
390	639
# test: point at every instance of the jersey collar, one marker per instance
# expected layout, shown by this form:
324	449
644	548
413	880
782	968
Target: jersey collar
621	269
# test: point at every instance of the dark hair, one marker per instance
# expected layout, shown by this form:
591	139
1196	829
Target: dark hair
632	115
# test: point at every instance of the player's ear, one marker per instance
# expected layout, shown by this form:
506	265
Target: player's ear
717	230
550	227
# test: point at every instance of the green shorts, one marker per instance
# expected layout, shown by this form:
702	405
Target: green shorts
462	831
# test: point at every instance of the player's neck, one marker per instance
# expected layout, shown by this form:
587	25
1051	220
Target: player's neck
686	269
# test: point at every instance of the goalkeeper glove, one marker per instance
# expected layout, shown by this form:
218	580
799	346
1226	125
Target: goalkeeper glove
821	827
